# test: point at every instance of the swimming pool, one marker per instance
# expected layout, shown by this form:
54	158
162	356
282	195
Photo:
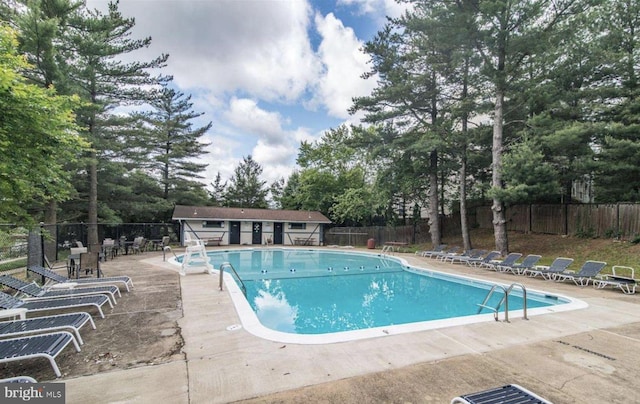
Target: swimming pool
323	296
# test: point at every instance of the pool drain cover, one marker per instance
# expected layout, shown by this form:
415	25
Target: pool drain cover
234	327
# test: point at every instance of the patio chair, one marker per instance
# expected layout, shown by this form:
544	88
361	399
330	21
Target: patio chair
511	393
518	268
71	322
589	270
138	245
510	259
547	272
37	346
477	262
627	284
34	290
41	304
55	277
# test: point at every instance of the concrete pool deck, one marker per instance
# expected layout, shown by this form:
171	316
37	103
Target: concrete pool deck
589	355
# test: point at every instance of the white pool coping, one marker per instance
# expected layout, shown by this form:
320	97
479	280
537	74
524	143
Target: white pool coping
252	324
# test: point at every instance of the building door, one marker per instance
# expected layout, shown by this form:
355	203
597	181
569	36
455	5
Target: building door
257	233
234	233
277	233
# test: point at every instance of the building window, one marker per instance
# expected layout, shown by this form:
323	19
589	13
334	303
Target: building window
217	224
297	226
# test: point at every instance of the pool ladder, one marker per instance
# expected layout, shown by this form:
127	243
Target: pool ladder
505	300
233	270
386	249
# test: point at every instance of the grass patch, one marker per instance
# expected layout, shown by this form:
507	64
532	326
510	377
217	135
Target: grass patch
9	265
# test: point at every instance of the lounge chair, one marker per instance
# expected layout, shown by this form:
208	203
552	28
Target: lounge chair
518	268
450	252
477	262
437	249
34	290
453	258
509	260
55	277
547	272
40	304
590	270
511	393
19	379
627	284
37	346
62	322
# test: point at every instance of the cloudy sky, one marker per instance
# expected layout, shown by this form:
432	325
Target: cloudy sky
267	73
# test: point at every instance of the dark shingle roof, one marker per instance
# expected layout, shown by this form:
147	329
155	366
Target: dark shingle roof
181	212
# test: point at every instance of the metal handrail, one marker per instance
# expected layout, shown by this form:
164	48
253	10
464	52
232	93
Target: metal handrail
242	285
504	299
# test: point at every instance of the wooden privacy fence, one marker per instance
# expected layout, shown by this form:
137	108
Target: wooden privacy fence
620	220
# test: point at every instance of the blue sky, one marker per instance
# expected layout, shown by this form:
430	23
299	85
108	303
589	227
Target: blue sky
267	73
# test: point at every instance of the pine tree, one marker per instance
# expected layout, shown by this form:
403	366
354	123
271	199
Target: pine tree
99	41
246	189
174	143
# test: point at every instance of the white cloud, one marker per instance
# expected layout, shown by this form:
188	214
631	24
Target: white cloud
247	116
344	62
391	8
258	47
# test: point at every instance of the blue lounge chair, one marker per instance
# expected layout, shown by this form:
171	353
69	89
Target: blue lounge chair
518	268
436	250
477	262
37	346
511	393
626	283
62	322
558	265
42	304
468	254
590	270
33	290
509	260
55	277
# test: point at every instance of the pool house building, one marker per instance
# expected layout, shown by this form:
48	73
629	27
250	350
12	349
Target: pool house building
245	226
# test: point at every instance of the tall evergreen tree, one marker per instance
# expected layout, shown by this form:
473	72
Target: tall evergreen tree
246	189
174	142
99	41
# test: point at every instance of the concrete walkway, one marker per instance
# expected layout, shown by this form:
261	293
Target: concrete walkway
590	355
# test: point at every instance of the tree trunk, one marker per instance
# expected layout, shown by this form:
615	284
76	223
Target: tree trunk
464	223
92	226
50	219
499	219
434	217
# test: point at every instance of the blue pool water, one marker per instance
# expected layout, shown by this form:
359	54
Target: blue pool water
319	292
